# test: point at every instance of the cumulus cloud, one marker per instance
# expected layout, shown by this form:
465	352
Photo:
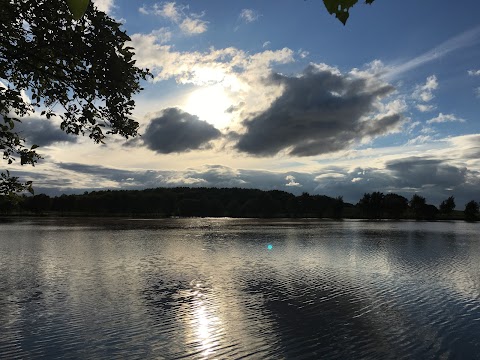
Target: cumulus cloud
104	5
424	92
241	74
193	26
443	118
291	181
474	72
249	15
189	23
178	131
190	67
42	132
318	112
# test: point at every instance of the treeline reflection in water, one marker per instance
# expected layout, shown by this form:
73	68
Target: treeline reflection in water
214	288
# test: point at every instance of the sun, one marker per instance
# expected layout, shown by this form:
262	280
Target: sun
210	103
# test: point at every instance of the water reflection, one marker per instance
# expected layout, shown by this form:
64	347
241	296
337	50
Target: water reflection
210	288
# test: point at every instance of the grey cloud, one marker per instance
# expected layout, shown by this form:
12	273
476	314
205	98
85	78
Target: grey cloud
433	178
42	132
318	112
233	108
124	178
178	131
418	172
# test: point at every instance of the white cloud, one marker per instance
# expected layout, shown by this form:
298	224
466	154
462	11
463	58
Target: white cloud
291	181
189	67
424	92
329	175
249	15
193	26
303	53
413	125
442	118
240	73
421	139
170	11
266	44
162	35
104	5
425	108
474	72
477	92
189	23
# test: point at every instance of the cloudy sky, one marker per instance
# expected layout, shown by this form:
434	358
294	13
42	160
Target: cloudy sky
280	95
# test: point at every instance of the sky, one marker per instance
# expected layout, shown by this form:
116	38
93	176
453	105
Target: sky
280	95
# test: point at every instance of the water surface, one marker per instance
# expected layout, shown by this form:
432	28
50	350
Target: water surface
214	288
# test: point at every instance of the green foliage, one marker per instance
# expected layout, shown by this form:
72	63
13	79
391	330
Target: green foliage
80	71
341	8
471	211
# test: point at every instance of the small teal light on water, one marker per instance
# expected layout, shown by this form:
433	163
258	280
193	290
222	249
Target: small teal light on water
269	246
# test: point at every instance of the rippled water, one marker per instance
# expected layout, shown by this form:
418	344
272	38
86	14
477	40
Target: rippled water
212	288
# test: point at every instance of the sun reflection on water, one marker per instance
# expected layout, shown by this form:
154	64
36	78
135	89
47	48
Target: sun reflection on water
205	325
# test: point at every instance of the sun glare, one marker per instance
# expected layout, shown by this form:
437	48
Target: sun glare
210	104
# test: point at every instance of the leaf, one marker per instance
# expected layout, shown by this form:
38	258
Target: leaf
341	8
77	7
34	146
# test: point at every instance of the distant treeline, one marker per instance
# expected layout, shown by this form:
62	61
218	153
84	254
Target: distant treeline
232	202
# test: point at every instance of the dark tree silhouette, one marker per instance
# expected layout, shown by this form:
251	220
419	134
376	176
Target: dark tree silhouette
471	211
371	205
394	205
338	207
447	206
417	204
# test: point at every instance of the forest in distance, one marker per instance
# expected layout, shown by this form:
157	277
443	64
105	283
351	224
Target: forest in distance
233	202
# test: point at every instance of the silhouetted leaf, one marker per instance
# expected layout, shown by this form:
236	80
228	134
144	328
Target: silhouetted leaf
341	8
77	7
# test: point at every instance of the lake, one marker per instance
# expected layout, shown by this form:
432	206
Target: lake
237	288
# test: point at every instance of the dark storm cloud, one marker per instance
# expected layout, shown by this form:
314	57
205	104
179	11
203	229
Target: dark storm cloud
417	172
42	132
178	131
318	112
